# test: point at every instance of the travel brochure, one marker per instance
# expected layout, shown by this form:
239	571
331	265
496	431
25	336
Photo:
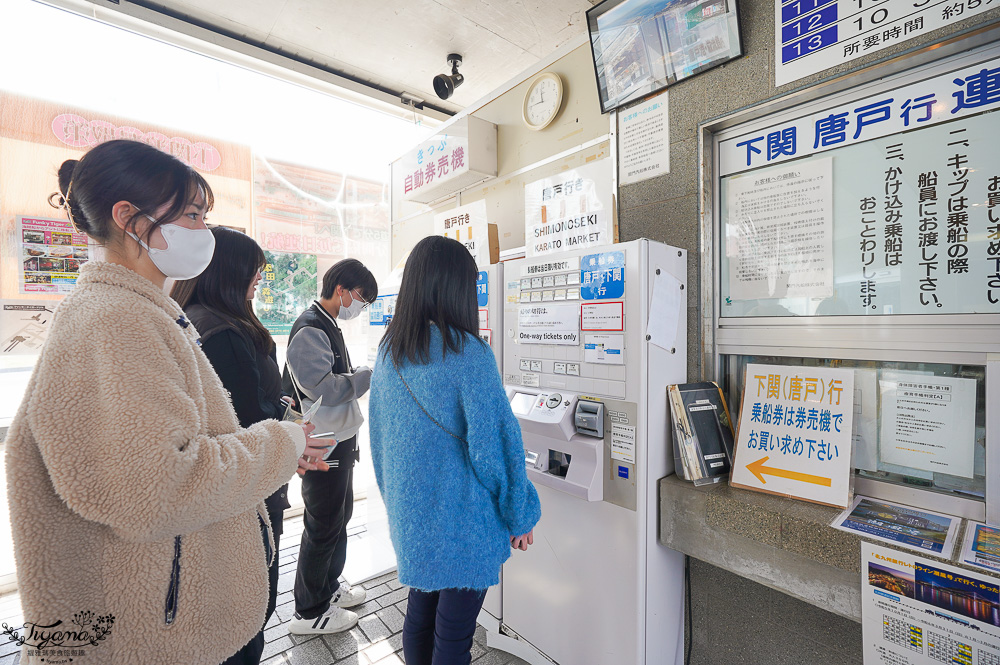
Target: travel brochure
912	528
51	255
982	546
916	611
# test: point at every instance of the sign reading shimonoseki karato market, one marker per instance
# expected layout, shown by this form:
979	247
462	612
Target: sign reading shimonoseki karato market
571	210
795	433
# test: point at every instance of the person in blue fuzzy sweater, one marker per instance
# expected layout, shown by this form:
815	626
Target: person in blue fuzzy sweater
448	454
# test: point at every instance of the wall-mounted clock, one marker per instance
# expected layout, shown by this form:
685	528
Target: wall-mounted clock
542	101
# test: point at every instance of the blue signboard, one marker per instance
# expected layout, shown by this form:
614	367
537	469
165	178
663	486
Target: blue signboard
380	312
482	289
602	276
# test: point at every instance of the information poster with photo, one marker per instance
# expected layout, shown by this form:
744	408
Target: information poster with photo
289	287
928	422
571	210
795	433
781	232
51	254
24	325
916	611
912	528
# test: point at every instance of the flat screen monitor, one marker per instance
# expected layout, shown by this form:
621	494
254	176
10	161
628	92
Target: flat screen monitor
521	403
643	46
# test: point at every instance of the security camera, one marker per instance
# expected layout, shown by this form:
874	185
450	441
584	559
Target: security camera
445	85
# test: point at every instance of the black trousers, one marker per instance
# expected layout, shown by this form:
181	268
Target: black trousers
329	504
252	651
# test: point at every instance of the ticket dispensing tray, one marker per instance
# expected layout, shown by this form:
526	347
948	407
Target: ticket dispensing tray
567	451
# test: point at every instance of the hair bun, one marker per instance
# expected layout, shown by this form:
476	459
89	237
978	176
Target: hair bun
66	175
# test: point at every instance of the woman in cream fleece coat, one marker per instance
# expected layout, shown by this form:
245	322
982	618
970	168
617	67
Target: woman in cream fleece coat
136	500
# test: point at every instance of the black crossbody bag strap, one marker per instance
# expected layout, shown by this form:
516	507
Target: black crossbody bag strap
432	418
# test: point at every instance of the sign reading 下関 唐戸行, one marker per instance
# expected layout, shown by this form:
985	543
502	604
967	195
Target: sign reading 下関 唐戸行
957	94
886	205
813	35
795	433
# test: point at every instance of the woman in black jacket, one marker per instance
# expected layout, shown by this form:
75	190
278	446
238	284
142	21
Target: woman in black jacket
218	303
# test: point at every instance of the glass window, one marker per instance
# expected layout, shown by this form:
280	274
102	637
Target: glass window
894	419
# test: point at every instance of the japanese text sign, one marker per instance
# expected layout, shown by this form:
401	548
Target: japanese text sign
963	92
572	210
602	276
814	35
483	288
463	152
468	225
441	158
795	433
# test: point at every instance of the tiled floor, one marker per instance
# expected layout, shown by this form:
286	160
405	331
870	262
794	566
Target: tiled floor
376	639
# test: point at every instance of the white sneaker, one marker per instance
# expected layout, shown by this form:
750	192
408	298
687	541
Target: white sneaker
335	620
348	596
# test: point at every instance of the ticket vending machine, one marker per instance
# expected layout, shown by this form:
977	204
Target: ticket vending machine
592	339
490	299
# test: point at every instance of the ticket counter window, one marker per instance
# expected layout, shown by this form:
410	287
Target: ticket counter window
918	425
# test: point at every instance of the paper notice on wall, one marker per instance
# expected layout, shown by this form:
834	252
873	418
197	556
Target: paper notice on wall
665	308
24	325
865	447
604	349
549	324
603	316
623	443
643	140
928	422
919	611
783	223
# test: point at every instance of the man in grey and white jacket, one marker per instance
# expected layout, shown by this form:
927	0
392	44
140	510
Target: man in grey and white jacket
317	365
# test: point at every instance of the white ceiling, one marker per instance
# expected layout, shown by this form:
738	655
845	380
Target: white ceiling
398	45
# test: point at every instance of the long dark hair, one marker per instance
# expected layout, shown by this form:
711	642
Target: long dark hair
223	287
123	170
439	287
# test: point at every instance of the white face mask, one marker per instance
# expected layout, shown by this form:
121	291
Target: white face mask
356	307
188	252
